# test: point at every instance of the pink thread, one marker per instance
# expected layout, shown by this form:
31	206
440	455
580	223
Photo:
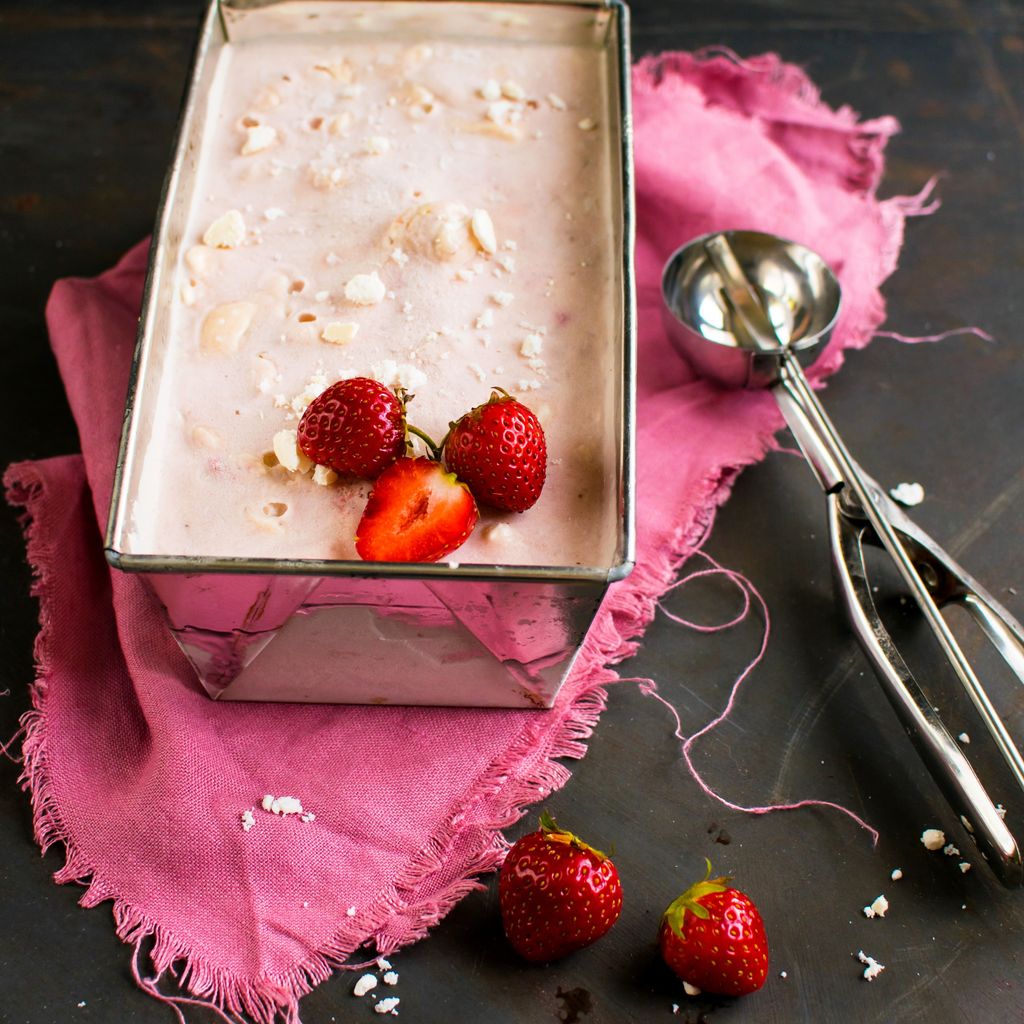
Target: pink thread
649	688
912	339
148	985
786	450
5	748
699	574
922	204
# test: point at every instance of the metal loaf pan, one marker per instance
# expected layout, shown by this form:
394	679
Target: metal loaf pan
382	633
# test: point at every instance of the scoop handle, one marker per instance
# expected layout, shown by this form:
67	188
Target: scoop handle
937	748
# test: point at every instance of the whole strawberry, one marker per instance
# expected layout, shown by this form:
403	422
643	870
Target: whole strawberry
416	512
356	426
713	938
557	894
499	450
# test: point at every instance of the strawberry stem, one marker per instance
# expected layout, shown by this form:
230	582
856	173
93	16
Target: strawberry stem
435	450
552	831
690	900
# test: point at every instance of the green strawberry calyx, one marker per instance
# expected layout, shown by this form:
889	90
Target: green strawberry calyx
549	827
497	395
690	900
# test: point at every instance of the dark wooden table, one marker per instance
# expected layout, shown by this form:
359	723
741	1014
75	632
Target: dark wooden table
88	98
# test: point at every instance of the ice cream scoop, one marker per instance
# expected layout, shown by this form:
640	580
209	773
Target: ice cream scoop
744	308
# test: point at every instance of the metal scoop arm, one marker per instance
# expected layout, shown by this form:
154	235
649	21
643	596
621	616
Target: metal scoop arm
940	752
947	580
859	509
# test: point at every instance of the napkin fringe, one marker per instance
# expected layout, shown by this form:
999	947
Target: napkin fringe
23	488
469	844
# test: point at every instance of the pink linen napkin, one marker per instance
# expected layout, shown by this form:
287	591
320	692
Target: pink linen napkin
143	778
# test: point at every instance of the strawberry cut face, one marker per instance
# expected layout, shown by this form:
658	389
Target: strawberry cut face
417	512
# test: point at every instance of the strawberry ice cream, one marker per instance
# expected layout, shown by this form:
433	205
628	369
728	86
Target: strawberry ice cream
433	215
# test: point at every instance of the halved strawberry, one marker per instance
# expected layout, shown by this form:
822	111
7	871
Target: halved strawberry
499	449
356	426
417	512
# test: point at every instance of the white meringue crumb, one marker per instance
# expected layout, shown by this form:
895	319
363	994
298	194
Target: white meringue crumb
933	838
248	820
964	738
383	964
896	875
532	346
339	333
877	908
690	990
484	320
324	476
281	805
907	494
376	145
964	867
502	298
226	232
390	978
398	375
399	257
365	289
286	448
482	226
258	138
364	984
351	912
783	974
950	850
504	113
1001	810
873	968
490	90
388	1005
